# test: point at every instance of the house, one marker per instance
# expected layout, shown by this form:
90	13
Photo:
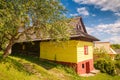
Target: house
117	51
106	47
77	52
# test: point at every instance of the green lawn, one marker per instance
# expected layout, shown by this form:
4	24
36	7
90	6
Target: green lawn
102	76
23	67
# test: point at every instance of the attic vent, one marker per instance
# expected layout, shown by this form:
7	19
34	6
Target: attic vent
79	27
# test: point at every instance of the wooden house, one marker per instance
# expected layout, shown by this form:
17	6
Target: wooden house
77	52
105	46
117	51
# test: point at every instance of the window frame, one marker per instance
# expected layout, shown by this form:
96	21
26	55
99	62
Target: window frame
83	65
85	50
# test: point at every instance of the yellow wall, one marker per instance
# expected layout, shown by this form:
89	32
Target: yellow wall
80	51
70	51
65	51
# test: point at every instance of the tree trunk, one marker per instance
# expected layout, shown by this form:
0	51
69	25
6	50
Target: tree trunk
7	51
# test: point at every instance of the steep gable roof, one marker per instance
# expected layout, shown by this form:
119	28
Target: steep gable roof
78	24
79	30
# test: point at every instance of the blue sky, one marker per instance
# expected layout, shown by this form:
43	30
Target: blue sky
101	17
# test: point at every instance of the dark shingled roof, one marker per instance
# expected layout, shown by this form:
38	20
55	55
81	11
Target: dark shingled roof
79	30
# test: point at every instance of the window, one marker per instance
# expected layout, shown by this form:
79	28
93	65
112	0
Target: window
86	50
79	27
82	65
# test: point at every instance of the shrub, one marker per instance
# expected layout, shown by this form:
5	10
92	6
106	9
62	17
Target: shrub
99	64
110	68
115	46
117	57
106	66
117	63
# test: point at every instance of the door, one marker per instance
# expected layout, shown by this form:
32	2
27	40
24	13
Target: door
87	67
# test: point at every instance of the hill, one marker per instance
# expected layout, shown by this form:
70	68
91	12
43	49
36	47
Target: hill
21	67
32	68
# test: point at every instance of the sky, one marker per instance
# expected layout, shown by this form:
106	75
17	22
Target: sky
101	17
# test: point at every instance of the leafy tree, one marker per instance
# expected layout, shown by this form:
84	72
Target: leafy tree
43	18
115	46
117	57
101	53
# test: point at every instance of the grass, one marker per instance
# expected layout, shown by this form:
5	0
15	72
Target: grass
21	67
102	76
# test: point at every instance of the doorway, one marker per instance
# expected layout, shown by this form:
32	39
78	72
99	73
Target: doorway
87	67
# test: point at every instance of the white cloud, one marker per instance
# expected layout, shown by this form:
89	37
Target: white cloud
113	39
111	30
117	13
90	30
104	5
82	11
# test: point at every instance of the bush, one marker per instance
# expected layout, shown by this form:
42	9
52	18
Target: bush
105	66
115	46
99	64
117	63
117	57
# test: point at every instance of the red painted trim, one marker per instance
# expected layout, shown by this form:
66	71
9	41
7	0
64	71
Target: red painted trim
88	66
85	50
78	66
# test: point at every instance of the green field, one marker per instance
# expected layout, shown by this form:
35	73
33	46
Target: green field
23	67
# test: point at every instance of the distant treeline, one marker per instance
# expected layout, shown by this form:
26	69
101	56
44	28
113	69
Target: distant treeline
115	46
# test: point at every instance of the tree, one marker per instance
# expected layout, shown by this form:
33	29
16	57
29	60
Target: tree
115	46
101	53
44	18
